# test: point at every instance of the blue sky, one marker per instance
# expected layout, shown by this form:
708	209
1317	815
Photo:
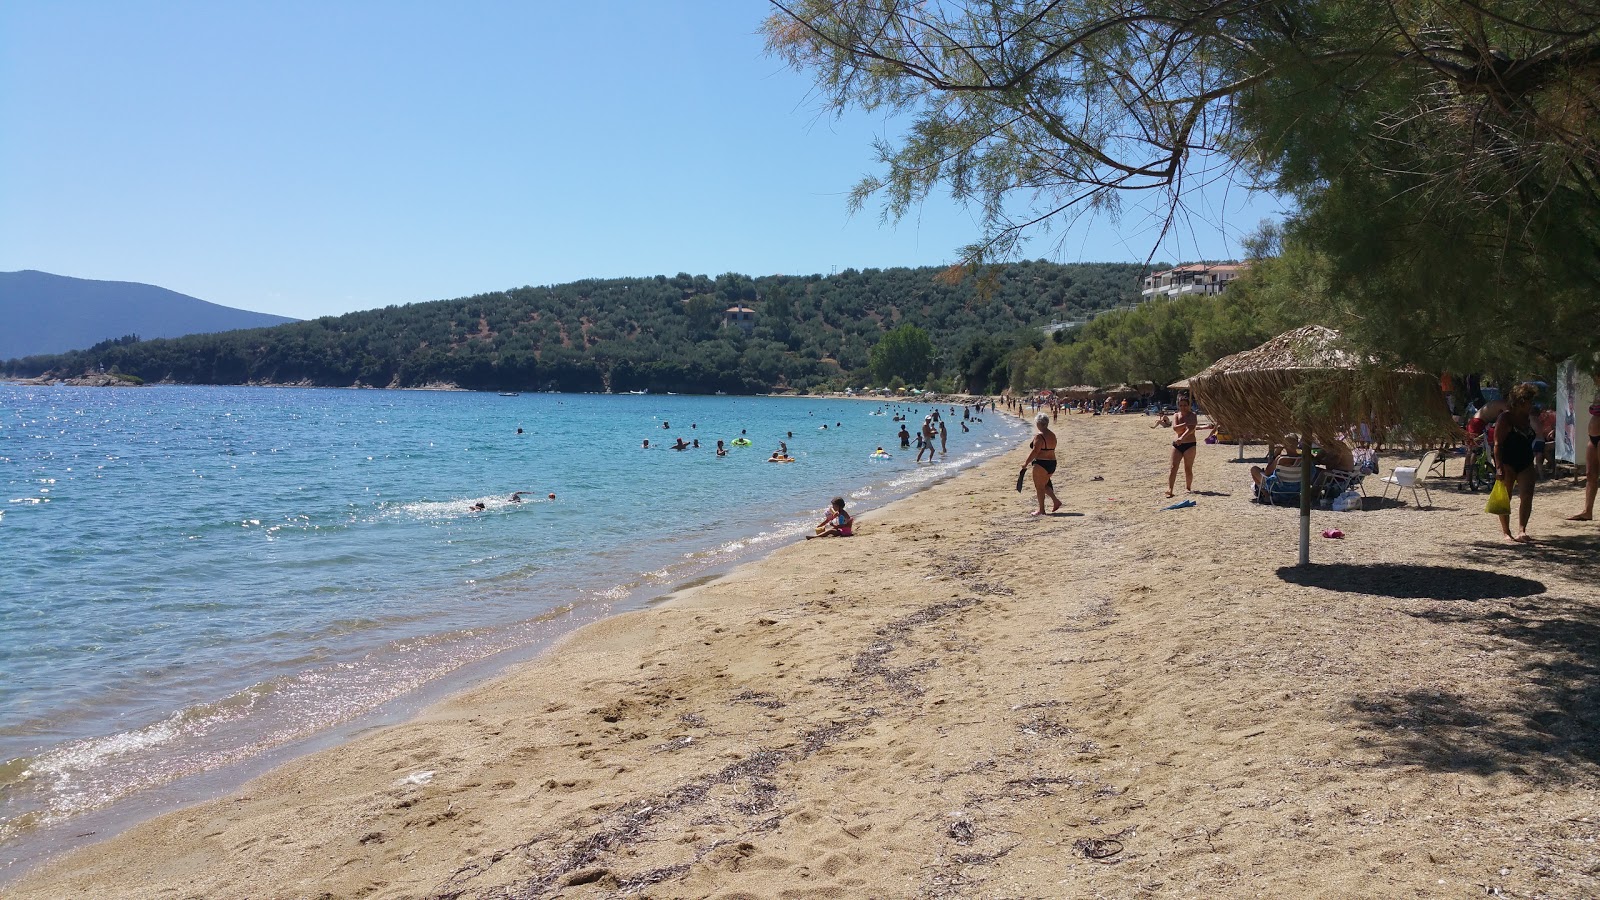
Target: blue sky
314	158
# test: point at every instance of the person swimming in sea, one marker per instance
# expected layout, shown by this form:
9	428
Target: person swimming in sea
681	444
721	450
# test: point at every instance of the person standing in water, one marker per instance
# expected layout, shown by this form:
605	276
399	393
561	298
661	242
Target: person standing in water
927	439
944	435
1184	440
1042	459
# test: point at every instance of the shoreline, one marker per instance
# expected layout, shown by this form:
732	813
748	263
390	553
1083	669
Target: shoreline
30	851
961	700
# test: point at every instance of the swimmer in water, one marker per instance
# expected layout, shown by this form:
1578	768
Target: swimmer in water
721	450
477	507
645	445
516	496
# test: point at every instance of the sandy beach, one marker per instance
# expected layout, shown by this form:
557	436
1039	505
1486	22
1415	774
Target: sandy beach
963	701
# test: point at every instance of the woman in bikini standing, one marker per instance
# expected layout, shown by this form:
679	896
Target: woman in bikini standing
1042	458
1513	453
1592	461
1183	445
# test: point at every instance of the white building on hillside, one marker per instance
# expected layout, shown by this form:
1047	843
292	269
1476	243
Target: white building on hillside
1198	278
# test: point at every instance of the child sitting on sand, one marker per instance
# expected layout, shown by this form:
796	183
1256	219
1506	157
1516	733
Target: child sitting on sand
837	523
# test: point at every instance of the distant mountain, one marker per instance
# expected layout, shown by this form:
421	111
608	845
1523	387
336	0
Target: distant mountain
44	313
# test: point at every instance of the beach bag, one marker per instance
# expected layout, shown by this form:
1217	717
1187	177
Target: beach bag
1499	500
1347	501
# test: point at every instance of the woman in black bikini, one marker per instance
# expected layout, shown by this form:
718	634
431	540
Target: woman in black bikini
1513	452
1043	460
1183	446
1592	461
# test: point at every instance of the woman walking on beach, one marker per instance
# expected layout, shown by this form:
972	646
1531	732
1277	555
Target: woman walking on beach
1513	453
1042	458
1183	446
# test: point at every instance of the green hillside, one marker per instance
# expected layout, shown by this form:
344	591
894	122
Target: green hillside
662	333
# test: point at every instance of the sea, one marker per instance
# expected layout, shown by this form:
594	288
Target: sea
198	582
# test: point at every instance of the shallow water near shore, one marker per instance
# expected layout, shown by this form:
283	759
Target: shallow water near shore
196	576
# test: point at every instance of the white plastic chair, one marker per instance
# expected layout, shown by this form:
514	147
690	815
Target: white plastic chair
1412	477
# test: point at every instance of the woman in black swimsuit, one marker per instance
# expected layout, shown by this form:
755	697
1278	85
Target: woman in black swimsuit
1183	429
1042	458
1513	451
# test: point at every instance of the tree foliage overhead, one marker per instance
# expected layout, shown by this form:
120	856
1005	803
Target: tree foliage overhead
1444	154
621	334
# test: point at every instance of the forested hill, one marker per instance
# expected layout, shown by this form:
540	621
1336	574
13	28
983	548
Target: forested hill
661	333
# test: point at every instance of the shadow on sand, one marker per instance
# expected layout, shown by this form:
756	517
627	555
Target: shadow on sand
1546	726
1547	729
1405	581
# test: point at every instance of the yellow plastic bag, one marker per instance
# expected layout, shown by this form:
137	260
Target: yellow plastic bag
1499	500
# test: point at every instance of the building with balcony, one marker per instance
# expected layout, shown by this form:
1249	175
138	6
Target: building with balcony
1197	278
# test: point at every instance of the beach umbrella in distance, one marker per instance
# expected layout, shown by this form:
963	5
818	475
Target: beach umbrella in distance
1120	391
1080	391
1308	383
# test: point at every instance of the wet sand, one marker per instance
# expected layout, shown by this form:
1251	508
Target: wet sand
965	701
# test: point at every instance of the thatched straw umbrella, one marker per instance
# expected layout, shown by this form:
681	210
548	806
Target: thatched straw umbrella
1119	390
1182	384
1145	388
1077	391
1305	382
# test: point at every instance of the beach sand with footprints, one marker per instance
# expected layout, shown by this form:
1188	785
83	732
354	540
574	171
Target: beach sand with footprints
962	701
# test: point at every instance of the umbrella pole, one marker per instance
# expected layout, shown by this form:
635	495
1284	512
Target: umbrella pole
1307	473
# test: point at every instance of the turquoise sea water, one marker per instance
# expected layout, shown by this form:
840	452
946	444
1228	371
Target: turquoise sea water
195	576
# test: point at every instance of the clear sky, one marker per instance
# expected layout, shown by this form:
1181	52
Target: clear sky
309	158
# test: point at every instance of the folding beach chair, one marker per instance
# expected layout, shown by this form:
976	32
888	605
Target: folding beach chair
1282	487
1336	482
1412	477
